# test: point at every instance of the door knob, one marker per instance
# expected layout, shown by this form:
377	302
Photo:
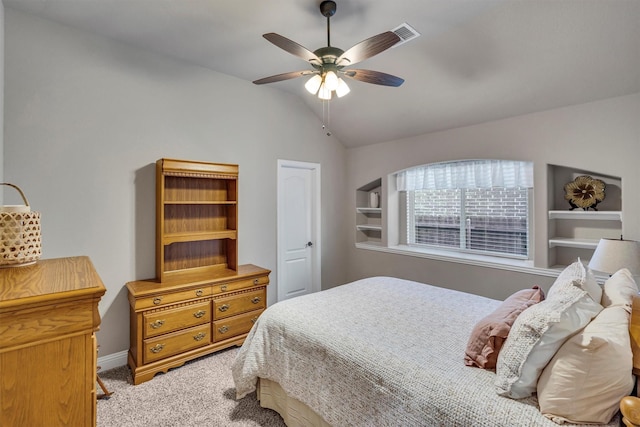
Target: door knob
309	244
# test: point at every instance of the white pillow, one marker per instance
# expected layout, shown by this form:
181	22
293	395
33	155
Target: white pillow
619	289
577	273
541	329
590	373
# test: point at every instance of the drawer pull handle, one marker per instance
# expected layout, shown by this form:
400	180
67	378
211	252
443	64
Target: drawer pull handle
223	288
157	348
157	300
224	329
198	314
157	324
199	336
255	300
224	307
254	319
256	281
199	292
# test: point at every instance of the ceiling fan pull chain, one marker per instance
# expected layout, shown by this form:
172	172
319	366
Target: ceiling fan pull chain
326	126
323	116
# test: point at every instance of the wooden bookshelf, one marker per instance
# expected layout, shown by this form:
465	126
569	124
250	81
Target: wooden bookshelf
197	218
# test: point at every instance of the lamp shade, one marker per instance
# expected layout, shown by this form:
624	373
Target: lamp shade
313	84
342	88
331	80
612	254
324	92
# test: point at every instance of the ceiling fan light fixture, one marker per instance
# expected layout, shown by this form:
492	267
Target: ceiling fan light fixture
331	80
324	93
313	84
342	88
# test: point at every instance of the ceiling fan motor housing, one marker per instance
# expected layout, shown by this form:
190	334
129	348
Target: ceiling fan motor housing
328	55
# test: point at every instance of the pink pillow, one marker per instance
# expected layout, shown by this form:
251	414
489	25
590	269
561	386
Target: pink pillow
490	332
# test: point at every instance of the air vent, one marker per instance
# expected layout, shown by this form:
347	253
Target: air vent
406	33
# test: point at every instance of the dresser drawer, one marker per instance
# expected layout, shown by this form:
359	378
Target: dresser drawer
178	342
240	284
173	319
173	297
240	303
233	326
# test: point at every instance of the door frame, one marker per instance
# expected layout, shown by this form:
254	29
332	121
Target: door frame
315	221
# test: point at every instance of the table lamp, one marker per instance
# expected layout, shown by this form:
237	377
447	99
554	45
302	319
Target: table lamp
613	254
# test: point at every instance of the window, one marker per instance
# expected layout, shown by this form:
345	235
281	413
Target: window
479	206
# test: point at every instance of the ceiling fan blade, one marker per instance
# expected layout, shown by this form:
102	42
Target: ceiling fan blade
375	77
368	48
284	76
292	47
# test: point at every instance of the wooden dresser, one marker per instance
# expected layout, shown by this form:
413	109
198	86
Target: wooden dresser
201	300
173	322
48	316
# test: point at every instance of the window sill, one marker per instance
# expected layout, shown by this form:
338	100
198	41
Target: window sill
522	266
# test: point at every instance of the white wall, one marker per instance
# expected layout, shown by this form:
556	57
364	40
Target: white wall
602	137
86	119
1	98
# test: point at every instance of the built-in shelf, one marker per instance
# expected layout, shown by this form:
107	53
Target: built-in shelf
576	233
369	227
587	215
369	222
569	242
369	210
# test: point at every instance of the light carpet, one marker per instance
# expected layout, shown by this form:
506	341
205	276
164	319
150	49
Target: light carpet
200	393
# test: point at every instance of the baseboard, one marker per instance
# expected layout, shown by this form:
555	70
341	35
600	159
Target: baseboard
114	360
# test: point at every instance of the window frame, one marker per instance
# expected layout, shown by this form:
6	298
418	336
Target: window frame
470	175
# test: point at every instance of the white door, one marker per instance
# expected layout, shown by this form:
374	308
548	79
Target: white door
298	228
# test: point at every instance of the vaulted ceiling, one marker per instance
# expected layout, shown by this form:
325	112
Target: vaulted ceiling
475	61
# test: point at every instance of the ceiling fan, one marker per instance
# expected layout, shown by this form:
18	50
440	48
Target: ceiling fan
329	63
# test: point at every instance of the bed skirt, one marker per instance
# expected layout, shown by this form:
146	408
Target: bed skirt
293	412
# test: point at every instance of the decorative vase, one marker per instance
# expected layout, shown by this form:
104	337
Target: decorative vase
374	199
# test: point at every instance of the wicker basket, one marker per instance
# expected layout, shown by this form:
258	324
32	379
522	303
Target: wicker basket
20	242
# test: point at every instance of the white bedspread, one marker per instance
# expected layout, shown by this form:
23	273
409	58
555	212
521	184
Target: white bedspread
380	352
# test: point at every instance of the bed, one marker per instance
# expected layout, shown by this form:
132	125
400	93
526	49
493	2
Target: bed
379	351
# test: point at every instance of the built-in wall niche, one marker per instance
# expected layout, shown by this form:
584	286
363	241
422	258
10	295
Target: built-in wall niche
575	233
369	203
